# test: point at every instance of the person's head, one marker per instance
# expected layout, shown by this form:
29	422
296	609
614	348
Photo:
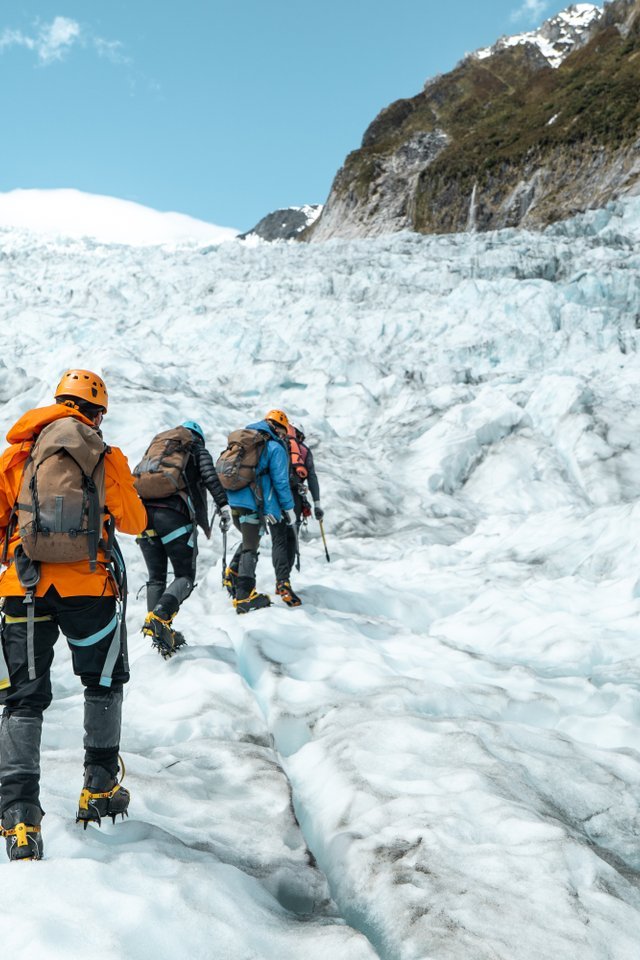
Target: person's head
278	421
195	428
84	391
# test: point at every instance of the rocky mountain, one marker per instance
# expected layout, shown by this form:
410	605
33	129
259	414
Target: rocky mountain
534	129
556	38
284	224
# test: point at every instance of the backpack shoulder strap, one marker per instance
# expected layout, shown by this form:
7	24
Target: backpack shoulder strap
13	516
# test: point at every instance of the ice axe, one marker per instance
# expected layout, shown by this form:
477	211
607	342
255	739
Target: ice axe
216	513
324	540
224	555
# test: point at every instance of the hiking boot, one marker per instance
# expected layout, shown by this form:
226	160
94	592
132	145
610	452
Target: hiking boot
284	590
102	796
255	601
229	581
164	638
21	830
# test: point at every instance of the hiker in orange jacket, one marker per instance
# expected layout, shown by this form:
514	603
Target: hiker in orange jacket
83	599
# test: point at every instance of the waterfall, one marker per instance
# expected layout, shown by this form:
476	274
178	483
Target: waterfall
471	218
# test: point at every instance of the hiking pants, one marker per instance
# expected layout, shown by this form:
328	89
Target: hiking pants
284	540
170	537
90	625
245	559
283	549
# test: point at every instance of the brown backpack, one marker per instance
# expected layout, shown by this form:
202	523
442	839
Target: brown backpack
236	466
61	503
160	473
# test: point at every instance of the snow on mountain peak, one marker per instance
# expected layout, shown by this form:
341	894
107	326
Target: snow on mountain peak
74	214
556	38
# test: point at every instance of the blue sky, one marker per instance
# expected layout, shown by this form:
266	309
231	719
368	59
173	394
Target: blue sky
222	109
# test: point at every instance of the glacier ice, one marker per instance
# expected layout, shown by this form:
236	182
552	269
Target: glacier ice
455	706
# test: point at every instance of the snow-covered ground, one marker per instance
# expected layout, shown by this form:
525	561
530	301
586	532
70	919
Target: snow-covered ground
455	707
72	213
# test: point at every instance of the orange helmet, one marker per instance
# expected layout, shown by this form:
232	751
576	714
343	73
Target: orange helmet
278	416
83	385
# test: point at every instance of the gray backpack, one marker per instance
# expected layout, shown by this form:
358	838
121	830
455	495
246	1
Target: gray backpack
161	472
61	504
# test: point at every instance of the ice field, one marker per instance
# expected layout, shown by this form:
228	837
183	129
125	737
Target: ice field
436	756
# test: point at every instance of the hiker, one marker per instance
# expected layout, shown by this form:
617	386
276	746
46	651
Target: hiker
62	489
173	478
284	537
254	469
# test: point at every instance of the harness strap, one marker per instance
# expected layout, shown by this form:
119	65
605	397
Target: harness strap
250	518
31	652
94	521
146	535
119	573
9	619
5	682
107	545
114	650
180	532
97	636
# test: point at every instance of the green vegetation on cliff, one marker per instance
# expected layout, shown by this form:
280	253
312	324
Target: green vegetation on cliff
505	117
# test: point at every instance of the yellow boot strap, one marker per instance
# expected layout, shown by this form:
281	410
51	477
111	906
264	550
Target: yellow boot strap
20	832
86	796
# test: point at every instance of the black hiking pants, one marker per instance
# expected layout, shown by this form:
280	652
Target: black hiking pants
170	538
245	558
90	625
283	549
283	541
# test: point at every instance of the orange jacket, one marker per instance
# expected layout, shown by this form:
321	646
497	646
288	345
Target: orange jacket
122	502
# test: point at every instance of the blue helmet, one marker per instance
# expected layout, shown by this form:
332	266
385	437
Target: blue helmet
194	427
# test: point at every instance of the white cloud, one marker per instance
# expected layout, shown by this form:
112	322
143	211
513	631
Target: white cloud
531	10
15	38
110	50
52	41
57	38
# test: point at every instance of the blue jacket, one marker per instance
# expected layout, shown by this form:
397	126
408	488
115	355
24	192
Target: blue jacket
273	476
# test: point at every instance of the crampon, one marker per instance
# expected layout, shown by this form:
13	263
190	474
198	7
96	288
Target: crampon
164	638
102	796
21	830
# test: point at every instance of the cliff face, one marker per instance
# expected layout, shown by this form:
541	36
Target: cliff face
519	134
284	224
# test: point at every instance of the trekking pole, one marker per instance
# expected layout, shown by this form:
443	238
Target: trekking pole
324	540
297	529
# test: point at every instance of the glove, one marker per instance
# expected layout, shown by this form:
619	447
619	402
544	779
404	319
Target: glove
291	517
318	512
225	518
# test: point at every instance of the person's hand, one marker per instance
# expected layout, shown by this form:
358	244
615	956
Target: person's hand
291	517
318	511
225	518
